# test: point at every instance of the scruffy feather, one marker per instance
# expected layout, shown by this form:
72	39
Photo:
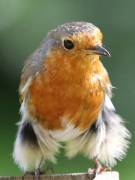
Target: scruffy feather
108	143
27	157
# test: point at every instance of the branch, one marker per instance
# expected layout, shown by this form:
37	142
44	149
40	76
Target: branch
112	175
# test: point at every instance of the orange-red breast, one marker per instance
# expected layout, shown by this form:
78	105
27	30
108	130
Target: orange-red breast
66	97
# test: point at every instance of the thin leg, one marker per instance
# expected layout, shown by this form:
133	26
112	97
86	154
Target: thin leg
37	174
99	168
38	171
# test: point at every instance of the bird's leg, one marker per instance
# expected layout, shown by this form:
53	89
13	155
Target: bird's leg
98	168
101	168
38	173
35	173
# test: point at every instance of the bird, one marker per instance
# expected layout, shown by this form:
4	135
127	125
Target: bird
66	102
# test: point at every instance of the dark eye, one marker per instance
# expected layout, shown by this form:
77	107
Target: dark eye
68	44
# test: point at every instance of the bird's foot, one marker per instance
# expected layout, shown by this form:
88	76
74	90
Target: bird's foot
98	169
37	173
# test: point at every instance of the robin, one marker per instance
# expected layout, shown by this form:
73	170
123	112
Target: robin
65	96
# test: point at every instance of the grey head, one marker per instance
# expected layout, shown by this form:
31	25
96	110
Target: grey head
72	28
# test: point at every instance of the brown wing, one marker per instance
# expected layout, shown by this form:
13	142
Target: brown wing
34	65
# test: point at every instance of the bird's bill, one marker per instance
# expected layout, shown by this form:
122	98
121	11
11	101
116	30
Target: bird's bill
100	50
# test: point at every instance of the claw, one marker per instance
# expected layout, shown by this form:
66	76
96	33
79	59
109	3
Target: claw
98	169
38	173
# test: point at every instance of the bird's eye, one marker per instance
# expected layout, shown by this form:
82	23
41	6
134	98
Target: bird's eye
68	44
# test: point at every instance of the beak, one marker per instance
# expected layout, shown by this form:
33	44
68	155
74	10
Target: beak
100	50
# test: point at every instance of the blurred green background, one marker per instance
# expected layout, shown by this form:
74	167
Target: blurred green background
24	23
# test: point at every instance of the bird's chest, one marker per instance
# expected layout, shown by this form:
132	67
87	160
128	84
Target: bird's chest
60	94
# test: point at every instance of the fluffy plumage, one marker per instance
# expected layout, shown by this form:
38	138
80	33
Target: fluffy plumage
66	97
